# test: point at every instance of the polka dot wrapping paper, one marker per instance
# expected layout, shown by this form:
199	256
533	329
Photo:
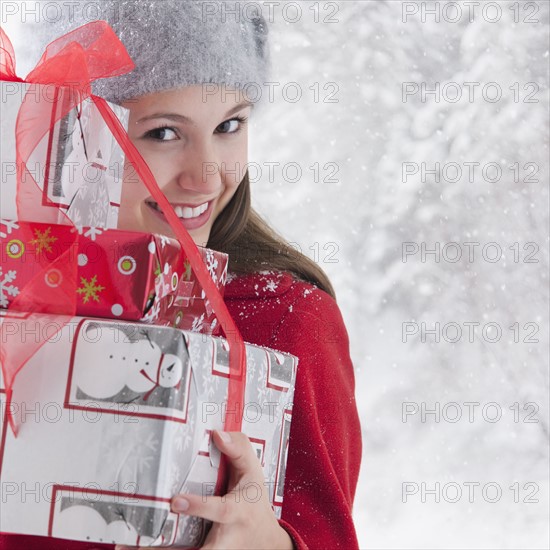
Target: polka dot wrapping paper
121	274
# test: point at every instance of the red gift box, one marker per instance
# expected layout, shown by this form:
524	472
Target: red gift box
121	274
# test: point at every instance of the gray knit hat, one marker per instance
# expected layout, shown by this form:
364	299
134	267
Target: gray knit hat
177	43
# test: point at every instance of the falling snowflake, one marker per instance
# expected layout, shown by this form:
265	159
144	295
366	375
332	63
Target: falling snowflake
6	288
271	286
90	289
43	240
10	226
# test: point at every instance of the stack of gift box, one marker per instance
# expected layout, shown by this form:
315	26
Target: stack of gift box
113	412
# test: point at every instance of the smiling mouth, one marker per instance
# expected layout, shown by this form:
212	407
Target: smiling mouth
183	212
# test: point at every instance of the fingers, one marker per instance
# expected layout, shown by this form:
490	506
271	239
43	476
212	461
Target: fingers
249	488
240	452
224	509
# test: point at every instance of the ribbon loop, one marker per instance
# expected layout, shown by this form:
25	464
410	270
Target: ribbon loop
7	59
81	56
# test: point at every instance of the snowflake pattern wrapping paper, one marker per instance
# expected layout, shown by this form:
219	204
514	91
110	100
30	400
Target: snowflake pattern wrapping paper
123	419
78	165
121	274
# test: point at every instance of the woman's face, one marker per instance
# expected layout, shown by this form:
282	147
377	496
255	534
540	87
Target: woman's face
196	144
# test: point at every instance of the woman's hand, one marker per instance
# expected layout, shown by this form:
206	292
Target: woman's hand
243	518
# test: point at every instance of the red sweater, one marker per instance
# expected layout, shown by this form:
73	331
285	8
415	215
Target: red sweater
276	311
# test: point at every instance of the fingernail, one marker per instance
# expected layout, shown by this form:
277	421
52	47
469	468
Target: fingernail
180	504
225	437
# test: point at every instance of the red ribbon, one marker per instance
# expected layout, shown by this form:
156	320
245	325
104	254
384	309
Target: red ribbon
73	62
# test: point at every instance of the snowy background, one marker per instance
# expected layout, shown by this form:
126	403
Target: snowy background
372	210
357	142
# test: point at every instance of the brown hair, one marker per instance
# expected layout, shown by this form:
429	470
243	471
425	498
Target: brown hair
252	245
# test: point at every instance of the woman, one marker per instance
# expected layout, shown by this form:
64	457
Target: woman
188	118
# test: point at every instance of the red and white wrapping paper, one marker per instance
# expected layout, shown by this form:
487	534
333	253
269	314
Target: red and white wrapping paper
77	165
121	274
122	419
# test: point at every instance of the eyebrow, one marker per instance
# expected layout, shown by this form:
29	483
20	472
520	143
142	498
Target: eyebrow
186	120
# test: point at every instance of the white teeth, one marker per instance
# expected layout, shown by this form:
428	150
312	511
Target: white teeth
187	213
201	209
184	211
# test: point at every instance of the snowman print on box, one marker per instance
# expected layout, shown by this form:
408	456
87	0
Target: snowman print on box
131	369
111	517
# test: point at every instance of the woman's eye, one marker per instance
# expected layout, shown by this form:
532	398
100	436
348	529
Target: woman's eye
231	126
162	134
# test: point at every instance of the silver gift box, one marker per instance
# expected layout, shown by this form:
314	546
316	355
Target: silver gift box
116	418
78	165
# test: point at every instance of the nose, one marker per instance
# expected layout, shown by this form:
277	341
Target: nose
200	169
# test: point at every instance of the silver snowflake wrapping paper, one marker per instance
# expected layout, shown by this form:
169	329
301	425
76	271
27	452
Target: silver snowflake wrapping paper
115	418
78	165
